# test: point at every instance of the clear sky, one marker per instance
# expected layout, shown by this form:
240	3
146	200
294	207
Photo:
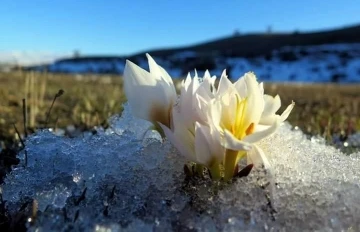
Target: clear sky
124	27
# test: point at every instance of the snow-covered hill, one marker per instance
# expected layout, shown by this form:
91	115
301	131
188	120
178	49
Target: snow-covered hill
320	63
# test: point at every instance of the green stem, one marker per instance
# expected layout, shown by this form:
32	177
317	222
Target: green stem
231	159
199	169
215	171
230	163
158	128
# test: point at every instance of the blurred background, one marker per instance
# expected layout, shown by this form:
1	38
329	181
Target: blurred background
306	41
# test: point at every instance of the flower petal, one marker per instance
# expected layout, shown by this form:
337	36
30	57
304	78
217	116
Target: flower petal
259	135
241	87
184	148
272	104
136	78
158	72
215	113
268	120
206	87
257	157
206	74
204	154
202	109
162	77
188	101
186	83
287	111
211	84
255	100
232	143
136	75
261	87
224	84
156	99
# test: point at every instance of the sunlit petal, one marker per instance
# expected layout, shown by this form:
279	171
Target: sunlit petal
272	104
136	75
233	143
224	84
157	95
259	135
203	140
157	71
255	100
287	111
183	147
240	86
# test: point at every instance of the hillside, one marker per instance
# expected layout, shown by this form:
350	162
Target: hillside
249	45
332	55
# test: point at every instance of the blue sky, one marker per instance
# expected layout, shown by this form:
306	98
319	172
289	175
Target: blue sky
125	27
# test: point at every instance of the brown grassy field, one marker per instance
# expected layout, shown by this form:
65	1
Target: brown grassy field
324	109
89	100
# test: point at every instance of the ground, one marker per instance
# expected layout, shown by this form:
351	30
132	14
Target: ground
88	100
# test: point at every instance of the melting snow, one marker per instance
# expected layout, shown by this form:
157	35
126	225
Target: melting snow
113	181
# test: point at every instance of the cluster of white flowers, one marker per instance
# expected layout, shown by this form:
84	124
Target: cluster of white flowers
212	127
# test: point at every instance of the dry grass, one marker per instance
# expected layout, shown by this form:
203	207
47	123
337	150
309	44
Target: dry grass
324	109
88	100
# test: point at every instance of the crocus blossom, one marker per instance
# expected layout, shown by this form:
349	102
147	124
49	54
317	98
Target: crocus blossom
151	95
237	113
212	127
190	132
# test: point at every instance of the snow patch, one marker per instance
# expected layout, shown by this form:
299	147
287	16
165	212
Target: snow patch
113	181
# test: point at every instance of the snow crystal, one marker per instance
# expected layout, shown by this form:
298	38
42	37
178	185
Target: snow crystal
111	181
141	129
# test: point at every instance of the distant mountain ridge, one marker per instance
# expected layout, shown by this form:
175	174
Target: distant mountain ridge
332	55
250	45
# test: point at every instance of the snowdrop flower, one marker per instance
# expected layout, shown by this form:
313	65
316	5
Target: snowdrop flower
243	115
151	95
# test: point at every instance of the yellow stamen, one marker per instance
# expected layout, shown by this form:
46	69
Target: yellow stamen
238	127
239	130
250	129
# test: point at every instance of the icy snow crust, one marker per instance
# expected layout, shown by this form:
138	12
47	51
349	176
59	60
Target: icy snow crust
115	181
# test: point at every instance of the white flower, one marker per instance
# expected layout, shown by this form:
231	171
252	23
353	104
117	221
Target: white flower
151	95
215	128
243	116
194	97
190	132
